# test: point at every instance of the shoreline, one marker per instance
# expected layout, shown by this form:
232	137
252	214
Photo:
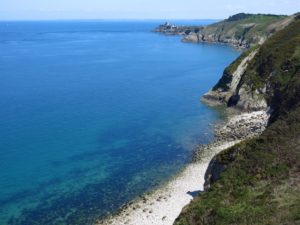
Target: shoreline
190	34
163	205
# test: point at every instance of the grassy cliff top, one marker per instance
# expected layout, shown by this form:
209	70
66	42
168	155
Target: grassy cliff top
251	27
279	55
276	63
261	182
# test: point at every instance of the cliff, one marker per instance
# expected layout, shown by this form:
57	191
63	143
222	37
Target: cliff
258	180
241	30
254	81
230	88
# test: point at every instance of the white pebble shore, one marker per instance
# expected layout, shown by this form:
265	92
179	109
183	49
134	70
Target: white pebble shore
164	205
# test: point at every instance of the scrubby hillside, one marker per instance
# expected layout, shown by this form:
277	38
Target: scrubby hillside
260	178
241	30
256	79
261	182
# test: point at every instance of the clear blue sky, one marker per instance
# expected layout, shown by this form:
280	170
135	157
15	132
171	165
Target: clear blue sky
140	9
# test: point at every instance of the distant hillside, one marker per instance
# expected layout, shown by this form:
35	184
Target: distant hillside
241	30
171	29
258	180
255	80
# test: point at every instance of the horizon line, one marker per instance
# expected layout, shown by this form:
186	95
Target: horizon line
102	19
128	19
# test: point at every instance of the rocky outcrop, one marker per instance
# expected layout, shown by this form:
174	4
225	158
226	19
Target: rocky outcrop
235	88
192	37
256	79
213	172
237	129
241	30
258	174
171	29
214	38
231	91
246	99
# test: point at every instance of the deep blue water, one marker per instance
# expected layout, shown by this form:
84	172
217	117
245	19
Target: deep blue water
94	113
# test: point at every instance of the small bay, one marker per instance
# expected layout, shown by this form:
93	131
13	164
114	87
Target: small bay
95	113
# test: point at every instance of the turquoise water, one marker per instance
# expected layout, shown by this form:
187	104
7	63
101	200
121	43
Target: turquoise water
94	113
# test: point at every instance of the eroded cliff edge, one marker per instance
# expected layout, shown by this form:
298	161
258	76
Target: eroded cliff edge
231	89
241	30
254	81
258	180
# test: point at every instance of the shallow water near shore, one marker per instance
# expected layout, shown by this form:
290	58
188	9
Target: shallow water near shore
94	113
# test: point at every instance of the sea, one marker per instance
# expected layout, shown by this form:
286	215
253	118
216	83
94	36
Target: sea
95	113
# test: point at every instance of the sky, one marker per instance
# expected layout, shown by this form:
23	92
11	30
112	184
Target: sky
139	9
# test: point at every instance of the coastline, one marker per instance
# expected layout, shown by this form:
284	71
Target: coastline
163	205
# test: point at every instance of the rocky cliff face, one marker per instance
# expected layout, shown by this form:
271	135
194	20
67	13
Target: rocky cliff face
237	129
242	85
235	90
241	30
257	181
253	81
230	89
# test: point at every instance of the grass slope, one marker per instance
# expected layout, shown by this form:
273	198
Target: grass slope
261	183
249	27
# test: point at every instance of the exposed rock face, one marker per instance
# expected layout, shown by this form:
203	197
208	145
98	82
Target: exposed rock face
231	91
237	75
250	71
238	128
255	80
213	172
247	100
202	36
192	37
241	30
213	38
271	78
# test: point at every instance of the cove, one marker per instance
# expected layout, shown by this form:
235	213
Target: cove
95	113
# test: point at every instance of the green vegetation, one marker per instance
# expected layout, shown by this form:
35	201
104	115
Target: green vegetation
277	60
261	182
239	16
249	28
234	65
242	16
261	185
227	75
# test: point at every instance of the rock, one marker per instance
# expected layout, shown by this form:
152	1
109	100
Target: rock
230	91
192	37
213	172
241	127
